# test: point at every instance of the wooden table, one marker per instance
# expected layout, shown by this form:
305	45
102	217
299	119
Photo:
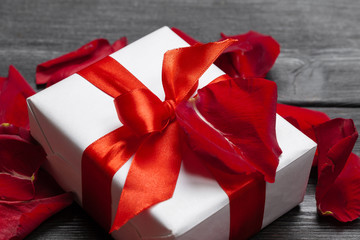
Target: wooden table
319	68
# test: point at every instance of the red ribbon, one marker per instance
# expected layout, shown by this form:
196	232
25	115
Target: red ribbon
152	133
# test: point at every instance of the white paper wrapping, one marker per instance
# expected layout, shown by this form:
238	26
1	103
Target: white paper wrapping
72	114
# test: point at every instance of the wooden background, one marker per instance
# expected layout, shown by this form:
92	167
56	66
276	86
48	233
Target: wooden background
319	68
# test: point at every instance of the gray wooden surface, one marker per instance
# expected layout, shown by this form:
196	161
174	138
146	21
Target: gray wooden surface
319	67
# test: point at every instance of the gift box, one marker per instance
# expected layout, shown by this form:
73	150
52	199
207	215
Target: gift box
72	114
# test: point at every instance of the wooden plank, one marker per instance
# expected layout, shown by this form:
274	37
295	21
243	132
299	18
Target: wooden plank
328	77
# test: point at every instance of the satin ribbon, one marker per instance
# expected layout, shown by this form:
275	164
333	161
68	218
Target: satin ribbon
152	134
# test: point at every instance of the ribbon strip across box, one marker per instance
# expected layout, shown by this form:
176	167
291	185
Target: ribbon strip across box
70	115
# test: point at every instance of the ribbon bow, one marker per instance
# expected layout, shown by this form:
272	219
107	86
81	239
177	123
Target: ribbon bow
157	161
149	132
153	135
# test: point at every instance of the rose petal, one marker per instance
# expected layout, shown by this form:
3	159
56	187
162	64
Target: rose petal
20	160
252	56
243	112
19	218
13	92
10	129
206	140
337	191
53	71
16	187
336	139
342	200
19	156
304	120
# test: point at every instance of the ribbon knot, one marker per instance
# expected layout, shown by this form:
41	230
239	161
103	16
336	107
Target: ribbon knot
170	105
143	112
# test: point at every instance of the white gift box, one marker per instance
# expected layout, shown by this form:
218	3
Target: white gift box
70	115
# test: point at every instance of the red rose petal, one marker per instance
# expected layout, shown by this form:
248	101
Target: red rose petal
225	63
19	218
13	92
19	156
206	140
336	139
252	56
16	187
53	71
10	129
342	200
247	117
20	160
305	118
337	192
243	112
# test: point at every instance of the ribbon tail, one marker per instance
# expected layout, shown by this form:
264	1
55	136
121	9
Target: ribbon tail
100	161
152	176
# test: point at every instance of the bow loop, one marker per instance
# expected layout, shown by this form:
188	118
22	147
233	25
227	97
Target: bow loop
183	67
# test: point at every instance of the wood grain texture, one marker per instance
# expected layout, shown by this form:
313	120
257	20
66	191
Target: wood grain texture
319	67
